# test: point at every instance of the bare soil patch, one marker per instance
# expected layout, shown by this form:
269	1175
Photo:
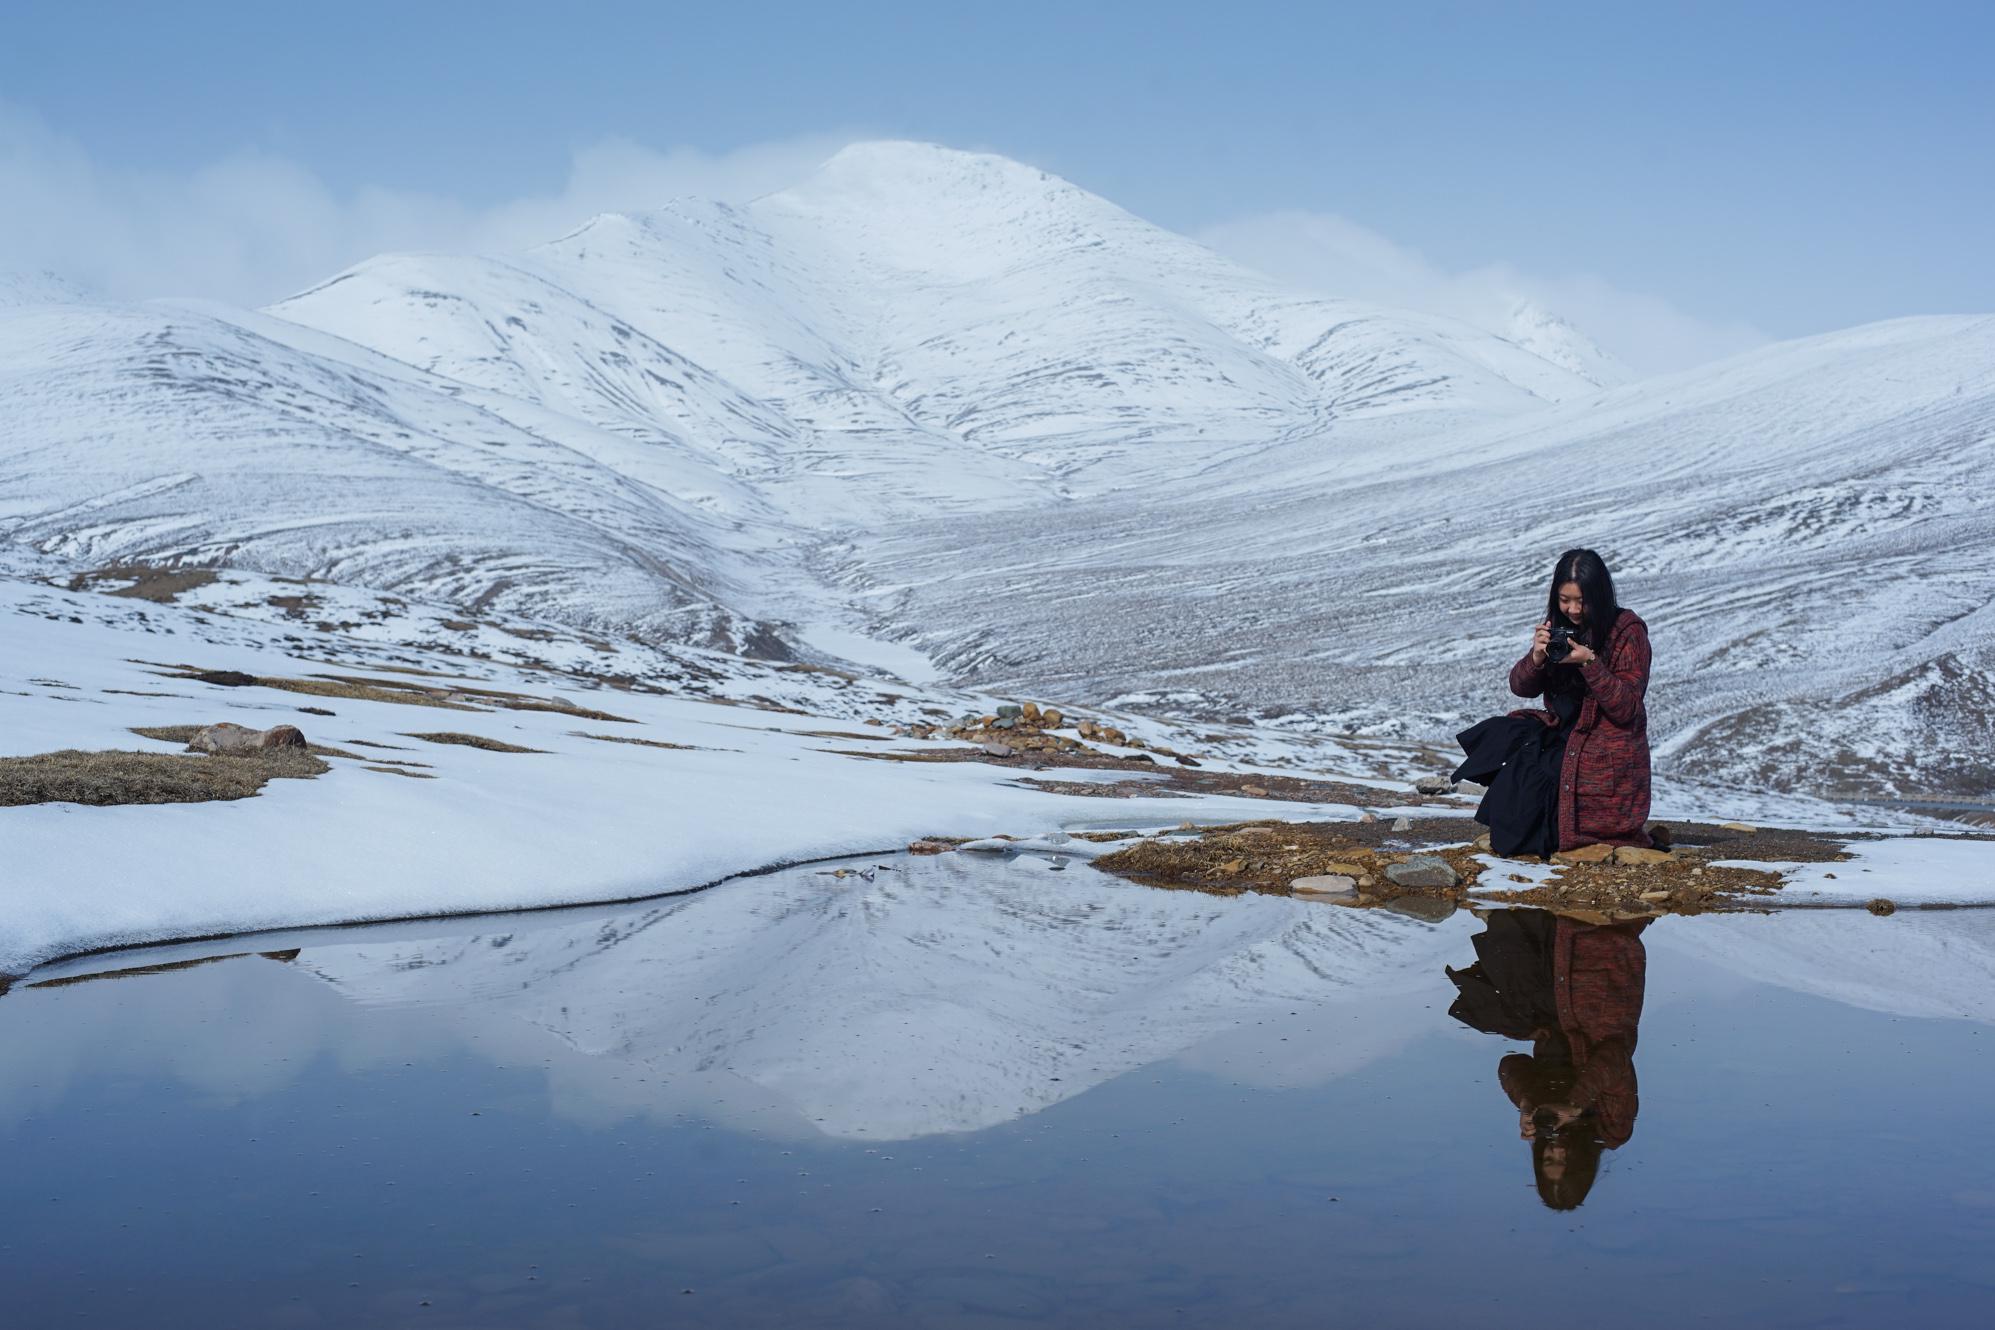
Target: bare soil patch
146	582
633	739
1268	856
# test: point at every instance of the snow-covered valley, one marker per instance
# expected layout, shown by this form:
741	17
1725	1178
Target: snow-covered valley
940	416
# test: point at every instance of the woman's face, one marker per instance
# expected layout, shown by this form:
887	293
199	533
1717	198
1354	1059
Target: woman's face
1571	603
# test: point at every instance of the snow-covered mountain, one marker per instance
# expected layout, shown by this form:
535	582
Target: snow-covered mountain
952	400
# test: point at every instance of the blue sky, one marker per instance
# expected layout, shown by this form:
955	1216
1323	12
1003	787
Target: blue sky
1787	168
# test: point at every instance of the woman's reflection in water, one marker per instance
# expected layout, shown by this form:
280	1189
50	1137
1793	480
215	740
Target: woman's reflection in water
1573	990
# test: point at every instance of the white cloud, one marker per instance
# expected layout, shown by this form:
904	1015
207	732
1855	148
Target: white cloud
1333	255
254	227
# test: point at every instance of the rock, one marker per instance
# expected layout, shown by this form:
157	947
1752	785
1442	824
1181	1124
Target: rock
1744	828
1051	718
1367	818
1010	709
1585	854
1184	761
1434	785
1482	842
1233	867
1254	791
874	720
1660	836
1030	711
1325	884
998	750
1402	824
1428	909
1423	870
1470	787
1112	735
1881	907
1654	896
1357	872
927	847
228	737
1138	757
1638	854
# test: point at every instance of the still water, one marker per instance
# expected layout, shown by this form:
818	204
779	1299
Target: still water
994	1094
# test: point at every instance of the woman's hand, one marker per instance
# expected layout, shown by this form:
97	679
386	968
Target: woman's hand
1539	641
1580	655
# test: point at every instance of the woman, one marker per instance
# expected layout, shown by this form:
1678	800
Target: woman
1576	772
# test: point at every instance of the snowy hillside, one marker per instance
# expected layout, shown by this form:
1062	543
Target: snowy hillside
946	399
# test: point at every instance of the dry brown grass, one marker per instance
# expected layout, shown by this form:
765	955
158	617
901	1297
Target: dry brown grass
159	585
472	741
116	777
630	739
359	689
398	771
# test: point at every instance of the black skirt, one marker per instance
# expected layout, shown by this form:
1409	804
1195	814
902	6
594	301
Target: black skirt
1519	759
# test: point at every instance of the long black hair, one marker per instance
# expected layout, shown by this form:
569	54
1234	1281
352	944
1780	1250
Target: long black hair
1596	587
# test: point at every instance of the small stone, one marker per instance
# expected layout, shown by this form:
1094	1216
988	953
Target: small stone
1654	896
927	847
1744	828
1356	871
1325	884
1051	718
1010	709
1184	761
1254	791
1482	842
1423	870
1471	788
1585	854
1367	818
1030	711
998	750
1434	785
1402	824
1640	854
1881	907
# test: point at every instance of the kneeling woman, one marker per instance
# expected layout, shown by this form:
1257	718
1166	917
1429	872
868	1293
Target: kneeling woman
1577	772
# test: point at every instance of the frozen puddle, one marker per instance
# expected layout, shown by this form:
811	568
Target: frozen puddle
973	1090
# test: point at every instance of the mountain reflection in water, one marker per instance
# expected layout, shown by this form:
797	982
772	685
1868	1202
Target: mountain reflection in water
974	1091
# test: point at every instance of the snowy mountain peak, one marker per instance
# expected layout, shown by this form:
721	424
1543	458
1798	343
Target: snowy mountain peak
1552	338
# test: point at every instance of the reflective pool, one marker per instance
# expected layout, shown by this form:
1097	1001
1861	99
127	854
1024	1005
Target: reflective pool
974	1093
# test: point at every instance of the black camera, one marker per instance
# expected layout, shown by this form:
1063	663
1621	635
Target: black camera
1560	645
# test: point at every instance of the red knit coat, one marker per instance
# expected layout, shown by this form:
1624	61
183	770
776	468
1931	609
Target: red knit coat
1604	783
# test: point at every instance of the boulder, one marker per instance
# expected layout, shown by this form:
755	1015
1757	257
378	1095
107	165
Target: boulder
1482	842
228	737
1030	711
1641	854
1402	824
1585	854
1051	718
1471	788
1325	884
1423	870
997	749
1434	785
